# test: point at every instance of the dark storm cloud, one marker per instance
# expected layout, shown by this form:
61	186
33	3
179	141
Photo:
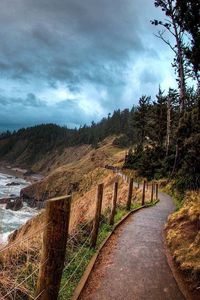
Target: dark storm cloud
75	43
29	101
67	40
31	111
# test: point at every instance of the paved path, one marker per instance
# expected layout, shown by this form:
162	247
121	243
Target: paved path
137	268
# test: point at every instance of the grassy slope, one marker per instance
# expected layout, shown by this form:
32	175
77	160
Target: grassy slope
78	165
85	166
183	238
90	171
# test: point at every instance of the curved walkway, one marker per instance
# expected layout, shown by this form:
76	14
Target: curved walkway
136	268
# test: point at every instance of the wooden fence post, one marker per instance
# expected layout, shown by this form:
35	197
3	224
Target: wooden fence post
143	193
152	191
114	203
156	191
54	247
130	192
97	215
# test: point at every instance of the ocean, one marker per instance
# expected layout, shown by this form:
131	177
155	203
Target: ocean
11	220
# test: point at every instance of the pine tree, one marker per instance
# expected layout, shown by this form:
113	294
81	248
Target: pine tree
158	119
141	119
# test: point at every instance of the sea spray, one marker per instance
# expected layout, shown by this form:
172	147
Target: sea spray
11	220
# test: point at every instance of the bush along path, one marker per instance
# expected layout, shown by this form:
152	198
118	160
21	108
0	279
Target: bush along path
133	265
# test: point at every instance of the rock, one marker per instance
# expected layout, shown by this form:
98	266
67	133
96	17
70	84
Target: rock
13	195
35	203
14	204
12	184
4	200
29	173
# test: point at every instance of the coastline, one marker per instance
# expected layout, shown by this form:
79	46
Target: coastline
12	171
20	173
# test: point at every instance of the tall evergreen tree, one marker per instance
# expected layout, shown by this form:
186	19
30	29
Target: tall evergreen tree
188	17
141	119
158	119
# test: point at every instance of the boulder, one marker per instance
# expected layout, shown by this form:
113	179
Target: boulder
4	200
12	183
14	204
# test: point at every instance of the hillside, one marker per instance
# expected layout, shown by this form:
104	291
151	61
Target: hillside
76	169
28	146
87	171
32	148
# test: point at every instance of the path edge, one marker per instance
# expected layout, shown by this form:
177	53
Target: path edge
179	278
94	258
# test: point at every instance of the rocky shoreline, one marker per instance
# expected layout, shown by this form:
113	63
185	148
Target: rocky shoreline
20	173
14	202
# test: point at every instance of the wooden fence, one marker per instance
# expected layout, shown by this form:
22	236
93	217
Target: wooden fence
56	234
55	260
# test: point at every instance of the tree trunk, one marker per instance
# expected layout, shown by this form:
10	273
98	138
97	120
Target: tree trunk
180	60
181	76
181	81
198	101
175	160
168	125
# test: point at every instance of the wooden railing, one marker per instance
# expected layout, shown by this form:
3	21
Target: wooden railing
56	238
56	233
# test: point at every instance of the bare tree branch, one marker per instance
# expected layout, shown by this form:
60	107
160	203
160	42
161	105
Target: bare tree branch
160	35
167	28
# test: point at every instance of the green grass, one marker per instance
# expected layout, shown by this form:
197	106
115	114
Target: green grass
82	257
77	268
177	197
120	213
104	231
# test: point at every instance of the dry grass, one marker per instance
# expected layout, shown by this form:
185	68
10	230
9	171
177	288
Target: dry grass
24	256
72	166
183	237
20	258
85	166
17	263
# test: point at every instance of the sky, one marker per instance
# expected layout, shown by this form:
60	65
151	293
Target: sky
74	61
